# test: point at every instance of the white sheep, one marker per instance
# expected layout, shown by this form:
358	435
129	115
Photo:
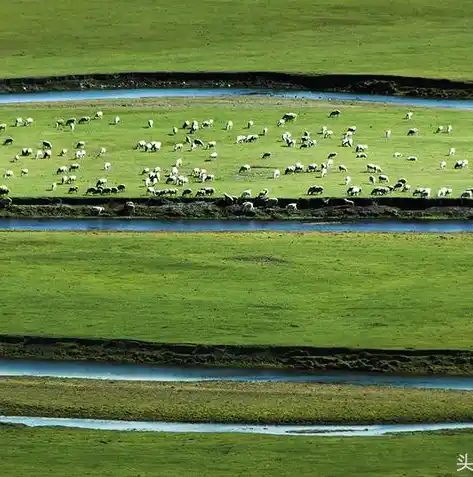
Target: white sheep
213	156
116	120
178	147
439	129
443	164
388	134
18	122
98	209
372	180
276	174
244	168
397	154
347	180
383	178
102	152
3	127
246	194
63	152
28	122
342	168
150	123
281	123
211	144
247	206
178	163
107	166
292	207
250	124
98	115
409	115
229	125
449	129
451	151
53	186
265	131
64	179
24	172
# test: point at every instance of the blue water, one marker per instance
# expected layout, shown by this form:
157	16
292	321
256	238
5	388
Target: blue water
6	98
138	372
145	225
286	430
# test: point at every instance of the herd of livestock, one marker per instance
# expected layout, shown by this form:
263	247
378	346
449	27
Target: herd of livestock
178	182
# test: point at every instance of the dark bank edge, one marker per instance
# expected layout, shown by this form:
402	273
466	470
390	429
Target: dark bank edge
438	88
395	361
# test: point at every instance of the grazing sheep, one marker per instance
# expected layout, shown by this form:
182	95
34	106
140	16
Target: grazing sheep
388	134
246	194
265	131
250	124
383	178
362	155
409	115
47	145
107	166
74	167
412	132
334	114
150	123
244	168
461	164
213	156
18	122
354	190
61	170
64	180
178	163
468	194
8	173
342	168
15	158
102	152
71	179
372	180
411	158
289	117
63	152
397	154
8	141
332	155
451	151
229	125
47	154
315	189
247	207
281	123
53	186
174	130
449	129
73	189
4	190
98	115
97	209
361	148
3	127
439	129
292	207
116	120
443	164
178	147
347	180
328	134
276	174
266	155
59	123
84	120
211	144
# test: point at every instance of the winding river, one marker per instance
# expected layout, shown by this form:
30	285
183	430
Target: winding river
146	225
7	98
280	430
149	373
138	372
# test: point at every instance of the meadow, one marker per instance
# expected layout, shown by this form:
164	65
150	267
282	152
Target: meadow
80	453
263	403
127	163
356	290
353	36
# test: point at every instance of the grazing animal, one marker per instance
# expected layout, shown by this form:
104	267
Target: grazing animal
334	114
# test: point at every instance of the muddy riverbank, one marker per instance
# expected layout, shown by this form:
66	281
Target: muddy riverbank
426	362
363	84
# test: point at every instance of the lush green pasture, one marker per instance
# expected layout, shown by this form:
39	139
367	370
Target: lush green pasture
78	453
127	164
350	36
268	403
362	290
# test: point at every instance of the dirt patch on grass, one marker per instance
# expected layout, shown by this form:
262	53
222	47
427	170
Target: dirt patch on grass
258	259
409	361
366	84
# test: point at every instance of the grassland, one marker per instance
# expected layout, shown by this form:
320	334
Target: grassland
79	453
342	37
127	163
264	403
358	290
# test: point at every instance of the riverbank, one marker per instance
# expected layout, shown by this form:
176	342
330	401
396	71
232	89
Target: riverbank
41	452
434	362
311	210
226	402
438	88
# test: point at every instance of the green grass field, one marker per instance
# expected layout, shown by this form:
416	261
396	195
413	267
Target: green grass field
264	403
84	453
127	163
360	290
341	36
